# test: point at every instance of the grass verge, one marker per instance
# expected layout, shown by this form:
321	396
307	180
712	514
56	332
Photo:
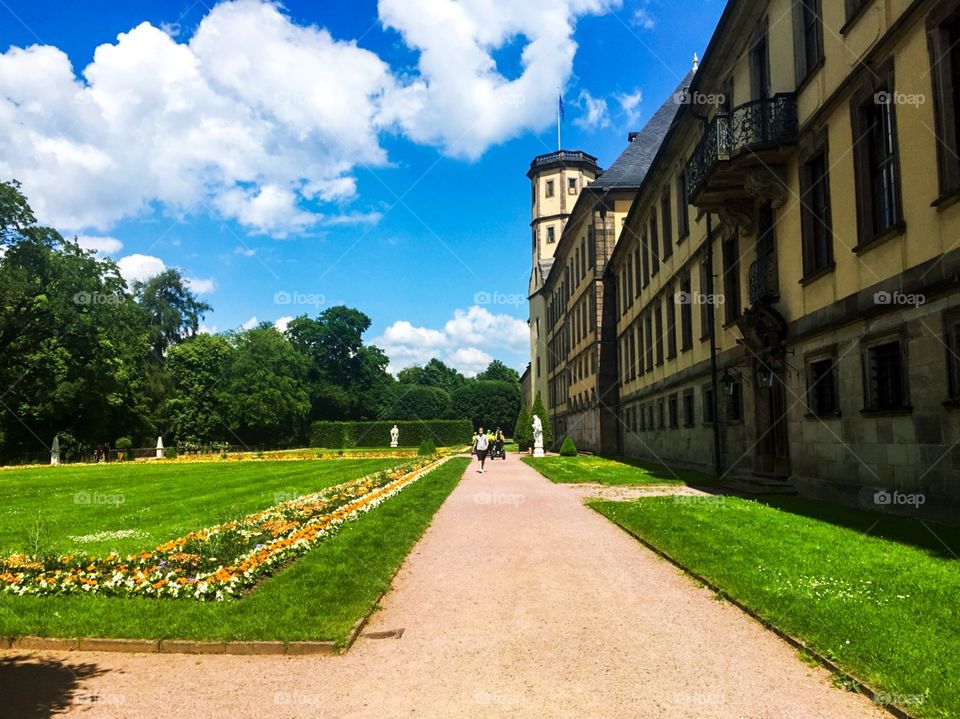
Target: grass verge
125	508
611	471
319	597
875	594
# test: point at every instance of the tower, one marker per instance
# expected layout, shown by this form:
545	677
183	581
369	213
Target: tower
556	181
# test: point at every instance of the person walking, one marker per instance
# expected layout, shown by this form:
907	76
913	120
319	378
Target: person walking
499	441
480	446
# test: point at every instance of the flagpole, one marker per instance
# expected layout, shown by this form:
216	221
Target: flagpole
559	106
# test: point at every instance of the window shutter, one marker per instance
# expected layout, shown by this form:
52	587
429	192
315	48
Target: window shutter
799	49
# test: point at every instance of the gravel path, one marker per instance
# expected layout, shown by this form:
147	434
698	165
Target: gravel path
518	602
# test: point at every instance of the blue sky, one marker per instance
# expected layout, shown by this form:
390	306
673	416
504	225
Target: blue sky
289	158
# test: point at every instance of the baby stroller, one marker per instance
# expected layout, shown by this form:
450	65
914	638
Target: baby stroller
496	449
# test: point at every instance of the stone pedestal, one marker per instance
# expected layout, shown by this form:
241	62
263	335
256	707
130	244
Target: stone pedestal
538	450
159	447
394	443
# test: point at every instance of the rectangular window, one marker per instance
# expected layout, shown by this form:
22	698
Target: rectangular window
853	8
650	417
666	220
885	376
688	410
683	207
637	279
822	395
633	356
705	307
686	311
648	328
815	220
671	306
674	410
654	245
638	330
548	189
643	419
707	394
952	332
551	235
572	185
877	162
658	326
735	403
943	35
807	37
645	256
760	62
731	279
661	415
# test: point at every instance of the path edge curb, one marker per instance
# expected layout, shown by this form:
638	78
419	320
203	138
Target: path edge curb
793	641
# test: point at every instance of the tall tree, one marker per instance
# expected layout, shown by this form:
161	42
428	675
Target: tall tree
266	391
497	371
490	404
433	374
198	407
173	311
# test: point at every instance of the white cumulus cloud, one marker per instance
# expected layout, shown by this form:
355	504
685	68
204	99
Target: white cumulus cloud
465	342
137	267
199	285
596	113
101	245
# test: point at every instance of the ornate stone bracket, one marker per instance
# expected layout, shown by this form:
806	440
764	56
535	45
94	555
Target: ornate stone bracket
767	184
764	331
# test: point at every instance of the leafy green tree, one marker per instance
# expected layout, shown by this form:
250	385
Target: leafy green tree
490	404
415	402
540	411
73	345
173	311
523	429
266	390
497	371
197	408
433	374
346	378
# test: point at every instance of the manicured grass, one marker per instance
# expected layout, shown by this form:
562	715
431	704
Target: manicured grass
64	509
611	470
876	594
319	597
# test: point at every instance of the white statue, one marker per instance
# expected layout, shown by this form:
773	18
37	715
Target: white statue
537	437
394	436
159	447
55	451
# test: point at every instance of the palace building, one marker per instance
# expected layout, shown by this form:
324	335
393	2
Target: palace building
782	303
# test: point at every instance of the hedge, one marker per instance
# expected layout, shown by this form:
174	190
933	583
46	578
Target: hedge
346	435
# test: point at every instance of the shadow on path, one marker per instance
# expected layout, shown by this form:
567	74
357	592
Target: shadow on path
34	687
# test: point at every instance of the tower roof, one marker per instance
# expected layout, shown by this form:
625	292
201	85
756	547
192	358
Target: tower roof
563	158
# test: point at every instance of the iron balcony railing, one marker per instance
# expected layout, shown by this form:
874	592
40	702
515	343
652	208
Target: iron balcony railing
750	127
563	156
764	285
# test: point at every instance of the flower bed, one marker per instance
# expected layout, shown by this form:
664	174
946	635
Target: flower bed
216	563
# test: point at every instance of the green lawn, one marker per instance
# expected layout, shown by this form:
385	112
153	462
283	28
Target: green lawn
127	507
611	470
876	594
319	597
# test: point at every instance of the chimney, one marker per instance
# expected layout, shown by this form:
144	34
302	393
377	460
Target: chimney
632	136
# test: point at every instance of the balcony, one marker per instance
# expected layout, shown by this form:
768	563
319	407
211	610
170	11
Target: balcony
757	136
763	282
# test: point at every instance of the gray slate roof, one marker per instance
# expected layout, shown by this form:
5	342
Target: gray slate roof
631	167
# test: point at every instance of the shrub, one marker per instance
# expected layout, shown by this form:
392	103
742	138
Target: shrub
346	435
523	430
568	448
170	453
124	443
488	404
427	448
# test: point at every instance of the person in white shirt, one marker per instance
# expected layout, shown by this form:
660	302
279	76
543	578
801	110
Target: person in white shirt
480	446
